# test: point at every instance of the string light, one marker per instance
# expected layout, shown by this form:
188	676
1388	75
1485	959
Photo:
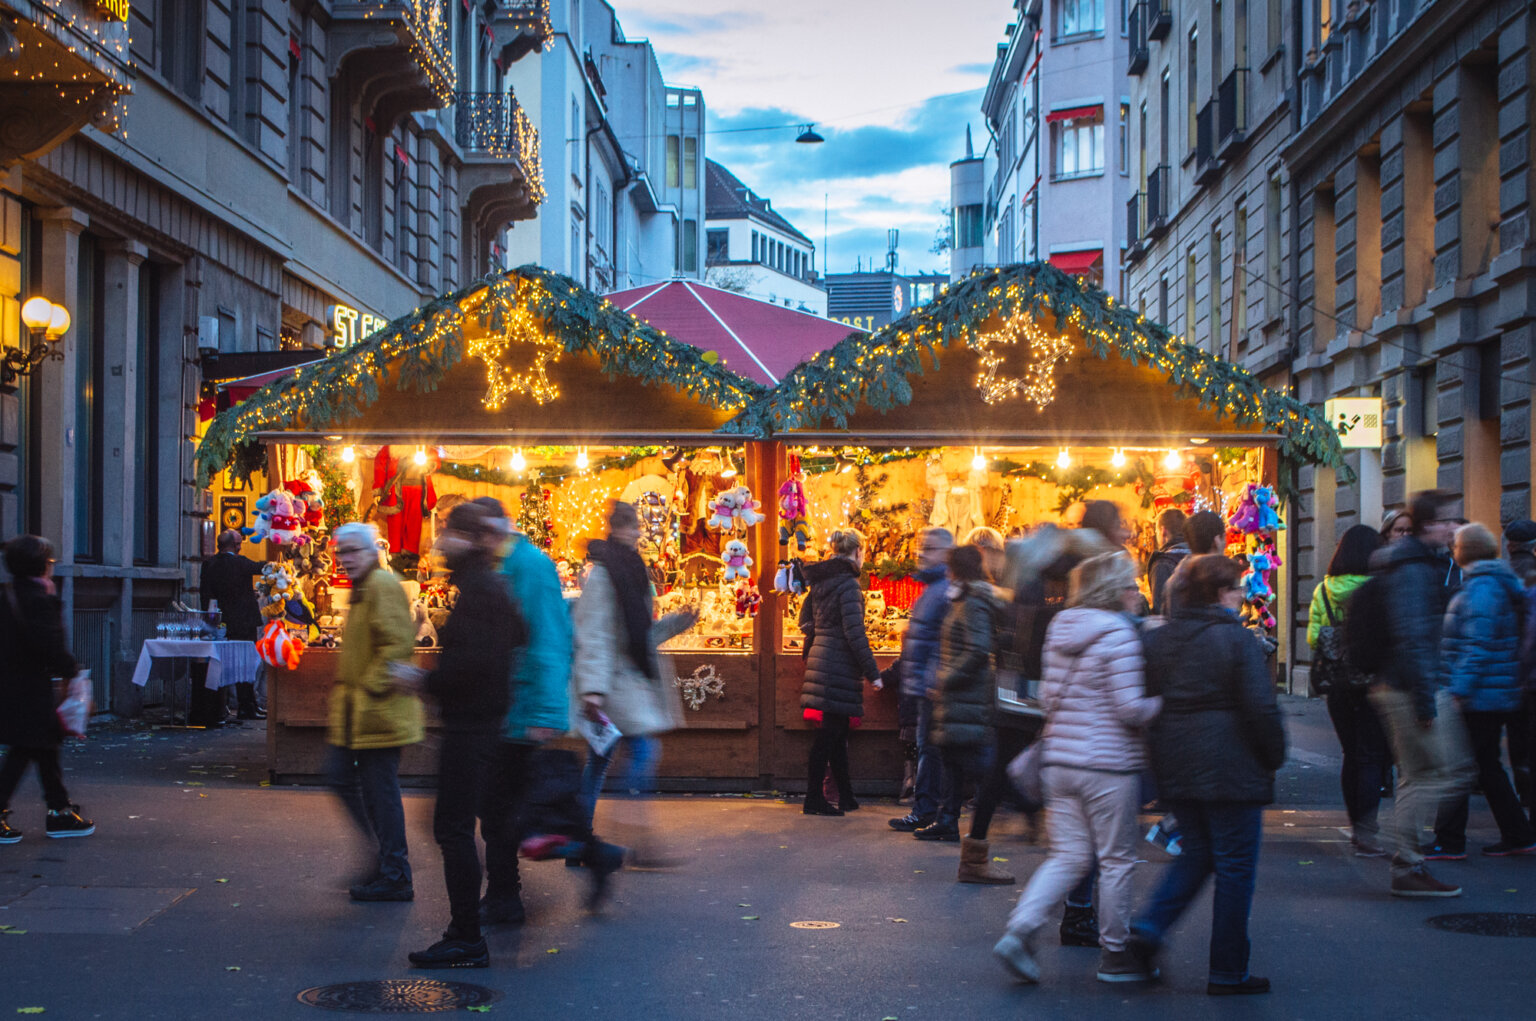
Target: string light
1063	458
978	463
1173	461
1117	459
420	457
582	460
519	462
1038	384
348	455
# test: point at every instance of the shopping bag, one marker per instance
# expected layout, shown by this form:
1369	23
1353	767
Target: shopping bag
75	710
1024	774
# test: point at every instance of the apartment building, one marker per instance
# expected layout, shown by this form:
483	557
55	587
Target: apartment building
751	247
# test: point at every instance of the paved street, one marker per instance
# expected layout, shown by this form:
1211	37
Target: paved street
197	869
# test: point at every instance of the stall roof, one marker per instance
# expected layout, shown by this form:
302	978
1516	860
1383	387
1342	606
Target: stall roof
758	339
522	352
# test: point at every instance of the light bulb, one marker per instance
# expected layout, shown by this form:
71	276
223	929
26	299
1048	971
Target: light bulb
1118	459
58	322
1173	461
581	459
421	456
36	312
519	462
1063	459
348	455
979	462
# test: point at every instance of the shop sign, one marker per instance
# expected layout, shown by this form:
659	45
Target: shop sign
116	10
1357	421
348	325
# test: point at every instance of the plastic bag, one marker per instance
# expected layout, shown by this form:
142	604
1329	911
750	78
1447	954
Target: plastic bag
75	710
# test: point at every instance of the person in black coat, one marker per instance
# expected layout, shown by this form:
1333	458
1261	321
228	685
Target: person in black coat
838	660
226	579
32	635
472	693
1215	748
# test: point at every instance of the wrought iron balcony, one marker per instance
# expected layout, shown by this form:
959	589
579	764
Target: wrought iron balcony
1159	184
1135	223
1205	143
1232	111
493	130
522	27
1137	39
1160	18
403	41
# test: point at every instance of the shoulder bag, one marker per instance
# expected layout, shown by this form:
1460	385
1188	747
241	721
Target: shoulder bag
1024	770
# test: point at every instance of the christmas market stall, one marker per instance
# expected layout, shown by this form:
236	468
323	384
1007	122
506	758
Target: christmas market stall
530	389
1004	404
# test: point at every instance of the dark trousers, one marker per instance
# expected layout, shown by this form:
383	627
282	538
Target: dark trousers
1367	759
465	762
960	765
830	748
996	787
48	774
509	780
1486	732
368	782
1220	838
928	786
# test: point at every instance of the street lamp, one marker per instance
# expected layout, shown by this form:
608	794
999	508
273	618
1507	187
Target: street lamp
46	322
809	135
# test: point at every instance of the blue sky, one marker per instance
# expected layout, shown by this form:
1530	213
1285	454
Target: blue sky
891	84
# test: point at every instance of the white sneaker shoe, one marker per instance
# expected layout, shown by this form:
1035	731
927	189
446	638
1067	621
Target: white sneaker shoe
1018	957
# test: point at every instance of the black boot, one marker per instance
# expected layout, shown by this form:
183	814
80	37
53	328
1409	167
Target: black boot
946	828
1079	926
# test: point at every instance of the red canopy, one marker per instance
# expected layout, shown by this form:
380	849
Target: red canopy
1075	113
1076	262
757	339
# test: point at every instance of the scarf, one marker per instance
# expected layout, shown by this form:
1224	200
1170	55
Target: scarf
632	587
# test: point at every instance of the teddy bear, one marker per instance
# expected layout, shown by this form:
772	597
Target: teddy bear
793	511
287	514
722	512
737	562
307	491
277	585
747	511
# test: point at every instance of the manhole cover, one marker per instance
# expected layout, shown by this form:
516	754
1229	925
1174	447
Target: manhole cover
399	996
814	925
1487	923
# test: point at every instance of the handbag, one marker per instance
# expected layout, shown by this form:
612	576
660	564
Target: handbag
1024	772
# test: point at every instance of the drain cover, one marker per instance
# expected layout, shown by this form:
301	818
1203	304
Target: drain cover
1487	923
399	996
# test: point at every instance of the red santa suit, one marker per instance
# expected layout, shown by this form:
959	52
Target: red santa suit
404	491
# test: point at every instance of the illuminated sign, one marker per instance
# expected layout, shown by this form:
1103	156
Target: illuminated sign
117	10
348	325
1357	421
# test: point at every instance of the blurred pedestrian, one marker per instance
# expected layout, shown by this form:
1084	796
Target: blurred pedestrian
1215	748
1367	758
371	718
838	660
1520	540
32	635
617	670
1421	719
1480	666
226	580
1395	525
1172	548
919	664
1096	706
1205	533
470	688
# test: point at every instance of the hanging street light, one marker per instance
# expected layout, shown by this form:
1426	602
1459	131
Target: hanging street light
808	136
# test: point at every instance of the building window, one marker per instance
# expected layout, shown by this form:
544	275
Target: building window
690	163
296	96
1192	100
576	136
757	247
1215	287
1272	248
1079	17
404	200
969	231
90	380
674	160
717	247
1125	140
1274	41
1165	120
1218	44
602	216
1141	147
1324	20
1080	146
146	434
241	117
373	186
1191	267
1240	32
1162	300
690	246
1240	272
1125	17
181	45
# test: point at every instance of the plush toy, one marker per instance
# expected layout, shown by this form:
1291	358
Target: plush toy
276	586
262	526
737	562
1256	581
286	518
1268	506
789	577
1245	518
748	600
722	512
793	511
307	491
748	510
277	647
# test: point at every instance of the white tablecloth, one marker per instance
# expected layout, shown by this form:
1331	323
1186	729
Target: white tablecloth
228	662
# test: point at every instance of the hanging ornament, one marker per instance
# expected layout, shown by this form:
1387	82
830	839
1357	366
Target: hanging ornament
1045	350
703	684
734	510
794	512
517	358
738	564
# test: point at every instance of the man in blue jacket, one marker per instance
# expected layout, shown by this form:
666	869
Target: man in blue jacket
540	711
919	665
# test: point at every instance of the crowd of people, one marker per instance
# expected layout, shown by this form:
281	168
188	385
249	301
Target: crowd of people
1421	645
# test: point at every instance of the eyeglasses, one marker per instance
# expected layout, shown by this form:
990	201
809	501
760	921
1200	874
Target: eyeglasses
347	551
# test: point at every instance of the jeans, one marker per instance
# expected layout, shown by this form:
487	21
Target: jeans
464	766
368	782
48	774
1010	742
644	755
498	824
960	765
1434	765
1093	814
1220	837
1487	732
930	770
829	748
1367	760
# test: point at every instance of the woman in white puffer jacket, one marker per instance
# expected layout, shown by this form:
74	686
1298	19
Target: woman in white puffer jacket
1096	707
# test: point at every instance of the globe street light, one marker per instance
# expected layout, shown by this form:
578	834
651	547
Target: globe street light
46	322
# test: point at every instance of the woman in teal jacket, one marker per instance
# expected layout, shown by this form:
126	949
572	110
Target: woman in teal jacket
1367	757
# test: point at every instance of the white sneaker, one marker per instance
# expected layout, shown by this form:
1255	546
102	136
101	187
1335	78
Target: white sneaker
1018	957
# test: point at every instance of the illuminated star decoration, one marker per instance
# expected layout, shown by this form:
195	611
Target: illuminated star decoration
1046	349
521	331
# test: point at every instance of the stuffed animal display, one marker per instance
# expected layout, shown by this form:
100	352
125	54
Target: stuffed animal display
748	600
277	585
789	578
734	510
1254	521
279	519
307	491
737	560
793	510
278	647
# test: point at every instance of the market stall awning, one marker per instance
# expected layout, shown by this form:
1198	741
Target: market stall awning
1074	263
525	353
1075	113
758	339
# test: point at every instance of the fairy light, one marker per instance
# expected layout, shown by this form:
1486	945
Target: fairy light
1173	461
582	460
1045	350
348	455
1117	459
1063	458
979	462
519	462
420	457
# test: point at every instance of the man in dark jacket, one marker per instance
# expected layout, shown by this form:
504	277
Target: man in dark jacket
919	663
1421	720
1172	549
226	580
470	688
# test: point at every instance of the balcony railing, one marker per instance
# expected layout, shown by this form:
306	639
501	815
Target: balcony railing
495	124
1205	143
1159	18
1232	111
428	23
1135	222
1137	39
1159	182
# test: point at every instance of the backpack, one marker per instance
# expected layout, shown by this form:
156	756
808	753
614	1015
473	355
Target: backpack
1331	668
1368	627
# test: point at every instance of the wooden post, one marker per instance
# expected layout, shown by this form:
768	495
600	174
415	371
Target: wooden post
766	465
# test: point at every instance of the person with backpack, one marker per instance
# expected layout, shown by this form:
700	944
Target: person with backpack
1367	759
1171	551
1480	667
1394	632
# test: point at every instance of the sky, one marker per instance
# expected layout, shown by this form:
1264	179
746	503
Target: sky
891	84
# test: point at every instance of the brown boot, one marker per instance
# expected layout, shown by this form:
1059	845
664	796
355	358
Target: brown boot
976	864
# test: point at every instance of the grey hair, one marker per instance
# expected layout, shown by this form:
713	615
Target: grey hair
360	532
1098	582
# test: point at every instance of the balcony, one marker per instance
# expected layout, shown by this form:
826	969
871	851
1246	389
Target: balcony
1135	225
1205	149
393	57
521	27
1159	185
68	68
1137	40
1232	112
502	179
1159	19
